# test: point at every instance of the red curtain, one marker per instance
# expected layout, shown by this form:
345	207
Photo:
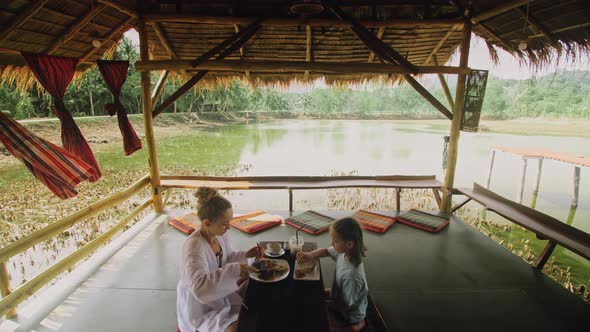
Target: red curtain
58	169
115	74
55	74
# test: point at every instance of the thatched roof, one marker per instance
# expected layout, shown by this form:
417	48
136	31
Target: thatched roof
184	30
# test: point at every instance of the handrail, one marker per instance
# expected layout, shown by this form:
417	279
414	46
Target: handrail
28	288
67	222
542	224
301	178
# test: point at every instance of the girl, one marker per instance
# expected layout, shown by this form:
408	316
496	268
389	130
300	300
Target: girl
349	292
211	271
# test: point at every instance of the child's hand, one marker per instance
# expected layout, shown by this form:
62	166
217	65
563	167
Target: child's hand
303	257
254	252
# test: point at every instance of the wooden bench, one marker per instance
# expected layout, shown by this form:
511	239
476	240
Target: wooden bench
545	226
291	183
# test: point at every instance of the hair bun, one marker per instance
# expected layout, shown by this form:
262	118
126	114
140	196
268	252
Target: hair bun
204	195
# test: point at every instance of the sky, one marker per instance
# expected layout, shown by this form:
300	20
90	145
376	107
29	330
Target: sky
508	67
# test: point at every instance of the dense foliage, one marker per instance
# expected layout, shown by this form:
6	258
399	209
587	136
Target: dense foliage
557	95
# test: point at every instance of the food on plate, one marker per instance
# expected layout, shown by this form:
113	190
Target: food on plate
267	268
304	269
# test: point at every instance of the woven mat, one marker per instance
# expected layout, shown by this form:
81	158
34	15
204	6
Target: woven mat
373	221
423	220
186	223
255	221
310	222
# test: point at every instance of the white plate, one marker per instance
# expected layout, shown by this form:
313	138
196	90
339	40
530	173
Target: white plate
270	254
276	277
312	269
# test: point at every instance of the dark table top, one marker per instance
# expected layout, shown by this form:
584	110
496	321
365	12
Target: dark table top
286	305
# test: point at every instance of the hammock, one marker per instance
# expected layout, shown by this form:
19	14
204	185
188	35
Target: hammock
55	74
58	169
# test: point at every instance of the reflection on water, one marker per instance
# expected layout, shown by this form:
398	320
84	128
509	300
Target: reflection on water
381	147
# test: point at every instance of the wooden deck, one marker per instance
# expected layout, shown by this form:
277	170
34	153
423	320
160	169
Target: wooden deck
546	154
456	280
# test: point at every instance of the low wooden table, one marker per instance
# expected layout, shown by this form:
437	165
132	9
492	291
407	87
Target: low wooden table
286	305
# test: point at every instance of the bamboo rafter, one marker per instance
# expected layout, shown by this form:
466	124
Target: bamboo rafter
308	42
379	36
21	18
122	9
164	41
75	28
237	39
440	44
499	10
109	37
540	27
242	51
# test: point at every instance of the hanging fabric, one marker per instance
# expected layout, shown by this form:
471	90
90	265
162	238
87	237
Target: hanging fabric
55	74
115	74
58	169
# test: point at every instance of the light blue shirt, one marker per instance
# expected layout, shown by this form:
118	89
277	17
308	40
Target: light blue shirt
350	287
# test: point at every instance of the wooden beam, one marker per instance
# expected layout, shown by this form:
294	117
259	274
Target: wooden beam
28	12
428	96
159	86
456	123
243	36
441	43
146	102
444	85
164	41
110	37
120	8
242	51
229	20
5	288
291	66
384	51
379	36
502	41
307	49
572	27
540	27
499	10
75	28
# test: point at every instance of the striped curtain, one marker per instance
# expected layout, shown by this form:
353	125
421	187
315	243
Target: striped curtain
115	74
58	169
55	74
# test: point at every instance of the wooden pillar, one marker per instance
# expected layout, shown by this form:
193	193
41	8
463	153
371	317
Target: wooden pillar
398	194
456	122
290	200
576	186
537	182
146	101
5	288
522	180
492	157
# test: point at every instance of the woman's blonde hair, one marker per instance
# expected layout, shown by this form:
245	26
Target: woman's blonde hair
210	204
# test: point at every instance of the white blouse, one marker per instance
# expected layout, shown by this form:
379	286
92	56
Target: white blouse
206	294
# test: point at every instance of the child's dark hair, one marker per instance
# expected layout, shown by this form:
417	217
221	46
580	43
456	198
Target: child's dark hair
210	205
349	230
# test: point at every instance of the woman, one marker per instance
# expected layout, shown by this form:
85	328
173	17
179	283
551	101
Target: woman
211	272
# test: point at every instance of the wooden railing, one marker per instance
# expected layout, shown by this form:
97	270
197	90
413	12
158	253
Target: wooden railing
544	226
11	299
291	183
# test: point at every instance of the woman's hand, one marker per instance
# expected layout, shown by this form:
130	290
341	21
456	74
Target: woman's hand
303	257
254	252
244	272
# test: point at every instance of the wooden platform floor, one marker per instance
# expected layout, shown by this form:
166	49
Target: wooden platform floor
456	280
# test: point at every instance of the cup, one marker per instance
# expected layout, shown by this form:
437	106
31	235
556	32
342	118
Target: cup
274	248
295	245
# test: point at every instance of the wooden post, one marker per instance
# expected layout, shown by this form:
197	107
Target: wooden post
492	157
456	122
146	101
159	86
537	182
5	288
398	193
522	179
444	85
437	198
290	200
576	186
544	256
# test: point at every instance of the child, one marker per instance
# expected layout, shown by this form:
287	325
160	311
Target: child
349	289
